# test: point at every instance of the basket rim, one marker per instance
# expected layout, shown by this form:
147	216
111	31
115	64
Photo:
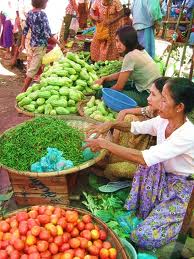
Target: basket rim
121	248
74	169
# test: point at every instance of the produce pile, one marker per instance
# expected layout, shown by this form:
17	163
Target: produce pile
53	232
105	68
61	87
96	109
175	61
27	143
84	55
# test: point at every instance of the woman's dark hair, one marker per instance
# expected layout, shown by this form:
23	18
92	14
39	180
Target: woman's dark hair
39	3
128	36
182	91
160	82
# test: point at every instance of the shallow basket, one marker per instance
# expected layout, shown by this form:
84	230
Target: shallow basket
31	188
115	241
32	114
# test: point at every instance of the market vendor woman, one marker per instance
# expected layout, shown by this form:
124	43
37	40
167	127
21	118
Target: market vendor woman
137	66
163	184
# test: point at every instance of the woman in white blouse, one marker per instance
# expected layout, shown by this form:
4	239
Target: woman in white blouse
163	183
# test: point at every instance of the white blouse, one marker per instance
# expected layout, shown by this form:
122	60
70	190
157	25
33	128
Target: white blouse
176	152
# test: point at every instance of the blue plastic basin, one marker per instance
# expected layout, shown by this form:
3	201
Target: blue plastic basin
116	100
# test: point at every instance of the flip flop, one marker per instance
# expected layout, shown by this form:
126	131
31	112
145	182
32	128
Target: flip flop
114	186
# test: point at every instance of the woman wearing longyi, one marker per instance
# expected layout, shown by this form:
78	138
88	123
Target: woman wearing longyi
163	183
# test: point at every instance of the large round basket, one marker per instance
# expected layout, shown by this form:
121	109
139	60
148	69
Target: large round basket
115	241
31	188
32	114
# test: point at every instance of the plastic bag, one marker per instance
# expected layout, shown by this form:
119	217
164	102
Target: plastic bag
53	161
74	25
53	55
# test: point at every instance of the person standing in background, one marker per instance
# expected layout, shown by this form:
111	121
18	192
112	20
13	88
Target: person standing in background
71	11
146	18
37	22
109	14
7	20
83	13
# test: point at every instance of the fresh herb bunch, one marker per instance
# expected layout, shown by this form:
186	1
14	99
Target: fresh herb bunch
108	207
28	143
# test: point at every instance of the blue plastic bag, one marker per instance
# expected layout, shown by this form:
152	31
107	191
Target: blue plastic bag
53	161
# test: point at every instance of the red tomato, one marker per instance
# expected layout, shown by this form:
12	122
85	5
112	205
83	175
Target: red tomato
21	216
74	243
53	248
4	226
15	255
18	244
62	222
71	216
87	219
58	240
75	232
42	245
3	254
34	256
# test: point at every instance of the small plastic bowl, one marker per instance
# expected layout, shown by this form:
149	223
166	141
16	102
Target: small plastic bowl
116	100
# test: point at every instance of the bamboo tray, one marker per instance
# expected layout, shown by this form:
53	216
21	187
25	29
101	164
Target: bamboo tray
115	241
32	188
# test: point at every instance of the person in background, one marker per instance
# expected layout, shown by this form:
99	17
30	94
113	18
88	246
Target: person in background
7	20
83	13
137	66
126	19
37	22
163	184
108	13
146	19
71	11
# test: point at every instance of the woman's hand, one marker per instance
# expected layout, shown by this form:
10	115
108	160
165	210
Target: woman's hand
100	81
96	144
99	129
121	115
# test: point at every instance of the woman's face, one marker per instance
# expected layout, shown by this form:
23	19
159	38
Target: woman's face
154	98
168	108
120	46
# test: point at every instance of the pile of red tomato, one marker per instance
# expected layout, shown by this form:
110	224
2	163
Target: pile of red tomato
53	233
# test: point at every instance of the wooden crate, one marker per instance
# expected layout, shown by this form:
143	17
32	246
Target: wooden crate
30	191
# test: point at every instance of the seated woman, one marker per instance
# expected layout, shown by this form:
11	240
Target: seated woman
116	167
137	66
163	184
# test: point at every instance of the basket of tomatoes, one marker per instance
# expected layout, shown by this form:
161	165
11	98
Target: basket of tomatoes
57	232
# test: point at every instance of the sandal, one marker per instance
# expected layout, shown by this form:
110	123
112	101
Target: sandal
114	186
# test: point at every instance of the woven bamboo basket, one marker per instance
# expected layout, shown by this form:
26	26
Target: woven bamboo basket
32	188
115	241
32	114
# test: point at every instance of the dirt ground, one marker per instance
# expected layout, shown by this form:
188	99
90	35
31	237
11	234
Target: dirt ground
11	80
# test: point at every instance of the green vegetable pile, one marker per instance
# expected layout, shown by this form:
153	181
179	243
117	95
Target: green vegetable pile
27	143
104	68
108	207
84	55
175	62
61	87
96	109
